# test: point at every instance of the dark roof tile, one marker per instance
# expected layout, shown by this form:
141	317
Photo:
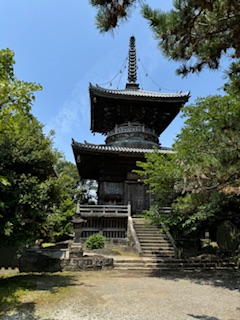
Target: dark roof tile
113	149
140	93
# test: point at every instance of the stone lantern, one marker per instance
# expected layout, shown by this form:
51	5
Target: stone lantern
76	248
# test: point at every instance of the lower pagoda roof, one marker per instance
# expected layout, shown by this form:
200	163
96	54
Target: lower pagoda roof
103	148
91	157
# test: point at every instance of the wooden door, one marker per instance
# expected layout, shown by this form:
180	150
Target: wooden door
136	194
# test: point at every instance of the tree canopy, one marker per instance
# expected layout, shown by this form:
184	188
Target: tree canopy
38	188
197	33
200	180
111	11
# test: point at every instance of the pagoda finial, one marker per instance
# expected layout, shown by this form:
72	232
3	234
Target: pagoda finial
132	66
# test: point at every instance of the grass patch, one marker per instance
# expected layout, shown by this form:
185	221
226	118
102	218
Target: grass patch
20	291
12	289
47	245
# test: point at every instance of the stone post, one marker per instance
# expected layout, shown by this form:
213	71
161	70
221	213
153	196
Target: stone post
76	250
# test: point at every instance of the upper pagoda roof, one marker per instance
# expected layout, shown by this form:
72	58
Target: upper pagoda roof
111	107
138	94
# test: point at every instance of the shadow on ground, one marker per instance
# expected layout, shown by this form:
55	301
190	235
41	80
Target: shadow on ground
229	279
12	289
203	317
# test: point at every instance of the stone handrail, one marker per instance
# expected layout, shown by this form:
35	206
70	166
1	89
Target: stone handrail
177	251
133	236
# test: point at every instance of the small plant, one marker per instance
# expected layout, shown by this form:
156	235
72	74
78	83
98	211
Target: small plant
95	241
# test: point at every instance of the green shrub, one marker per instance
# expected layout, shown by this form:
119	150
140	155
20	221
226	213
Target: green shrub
95	241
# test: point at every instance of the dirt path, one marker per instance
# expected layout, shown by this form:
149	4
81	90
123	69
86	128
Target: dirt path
112	295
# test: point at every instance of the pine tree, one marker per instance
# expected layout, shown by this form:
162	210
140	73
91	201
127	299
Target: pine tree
197	33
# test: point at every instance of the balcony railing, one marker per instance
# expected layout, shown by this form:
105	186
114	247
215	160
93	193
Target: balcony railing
109	220
120	211
130	127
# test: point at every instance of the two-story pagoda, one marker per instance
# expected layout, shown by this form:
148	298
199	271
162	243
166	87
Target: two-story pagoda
132	121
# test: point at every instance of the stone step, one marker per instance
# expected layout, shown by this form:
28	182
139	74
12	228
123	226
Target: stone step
171	261
153	237
153	251
156	250
159	255
145	228
149	232
164	269
143	224
157	241
163	254
147	249
154	240
174	264
156	245
146	233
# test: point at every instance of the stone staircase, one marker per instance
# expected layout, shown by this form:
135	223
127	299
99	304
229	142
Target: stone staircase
158	265
159	254
154	244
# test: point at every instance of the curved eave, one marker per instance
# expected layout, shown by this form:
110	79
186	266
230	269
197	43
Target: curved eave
91	159
137	94
102	148
111	107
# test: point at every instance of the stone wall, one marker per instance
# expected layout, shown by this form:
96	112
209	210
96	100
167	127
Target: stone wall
37	260
8	257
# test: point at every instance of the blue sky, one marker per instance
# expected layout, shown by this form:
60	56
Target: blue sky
57	45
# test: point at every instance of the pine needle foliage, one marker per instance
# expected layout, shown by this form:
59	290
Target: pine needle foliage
197	33
111	12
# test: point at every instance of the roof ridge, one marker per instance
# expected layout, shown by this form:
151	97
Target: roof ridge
104	147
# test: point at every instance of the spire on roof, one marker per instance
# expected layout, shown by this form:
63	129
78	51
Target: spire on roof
132	66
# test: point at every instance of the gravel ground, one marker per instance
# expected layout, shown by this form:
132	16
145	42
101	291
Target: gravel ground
106	295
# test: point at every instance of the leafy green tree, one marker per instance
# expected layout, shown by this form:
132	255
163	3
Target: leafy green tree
39	189
201	179
208	145
27	163
14	93
58	225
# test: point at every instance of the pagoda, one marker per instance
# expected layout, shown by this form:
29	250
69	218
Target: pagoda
132	121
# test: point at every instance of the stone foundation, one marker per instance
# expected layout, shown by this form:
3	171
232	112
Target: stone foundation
87	263
36	260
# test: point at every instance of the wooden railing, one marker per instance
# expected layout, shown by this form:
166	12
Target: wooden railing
108	227
108	220
120	211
